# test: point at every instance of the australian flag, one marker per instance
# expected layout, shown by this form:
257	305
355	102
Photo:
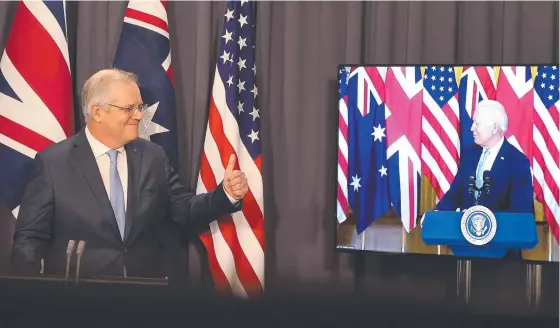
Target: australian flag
368	185
144	49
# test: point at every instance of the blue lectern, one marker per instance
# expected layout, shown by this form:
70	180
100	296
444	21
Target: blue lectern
505	231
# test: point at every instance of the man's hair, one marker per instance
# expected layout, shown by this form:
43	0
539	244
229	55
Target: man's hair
96	87
496	111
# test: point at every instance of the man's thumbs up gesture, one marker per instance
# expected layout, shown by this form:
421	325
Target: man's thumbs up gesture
235	181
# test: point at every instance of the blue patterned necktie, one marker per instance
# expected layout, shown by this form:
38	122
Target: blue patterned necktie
480	171
117	193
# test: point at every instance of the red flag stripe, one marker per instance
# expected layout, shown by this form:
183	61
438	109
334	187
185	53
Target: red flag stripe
245	272
40	77
250	209
147	18
24	135
218	274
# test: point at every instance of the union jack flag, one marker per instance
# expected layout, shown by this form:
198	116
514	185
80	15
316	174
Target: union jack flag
477	83
144	49
546	144
36	106
403	101
235	243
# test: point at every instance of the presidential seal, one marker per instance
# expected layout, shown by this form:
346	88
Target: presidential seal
478	225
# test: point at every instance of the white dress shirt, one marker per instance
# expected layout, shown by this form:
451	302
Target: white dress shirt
103	163
487	166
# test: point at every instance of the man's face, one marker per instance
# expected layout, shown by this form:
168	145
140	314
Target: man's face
482	128
119	124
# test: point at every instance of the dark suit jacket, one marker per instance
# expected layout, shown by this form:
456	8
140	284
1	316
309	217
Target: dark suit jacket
512	184
65	199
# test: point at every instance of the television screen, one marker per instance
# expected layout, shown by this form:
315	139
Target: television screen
449	160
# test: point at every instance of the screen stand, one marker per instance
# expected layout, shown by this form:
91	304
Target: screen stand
464	280
533	285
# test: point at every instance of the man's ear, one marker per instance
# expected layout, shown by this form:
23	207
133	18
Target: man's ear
96	113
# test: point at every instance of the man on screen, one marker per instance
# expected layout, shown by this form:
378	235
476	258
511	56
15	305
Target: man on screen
509	172
115	191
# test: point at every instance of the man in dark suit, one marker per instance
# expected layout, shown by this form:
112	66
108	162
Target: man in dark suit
509	169
115	191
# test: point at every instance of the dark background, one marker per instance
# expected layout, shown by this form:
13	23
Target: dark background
299	47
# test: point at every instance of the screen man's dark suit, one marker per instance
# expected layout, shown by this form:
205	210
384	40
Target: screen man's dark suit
512	183
511	188
66	199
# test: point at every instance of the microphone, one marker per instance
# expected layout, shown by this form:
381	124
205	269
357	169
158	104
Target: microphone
79	252
471	187
69	250
487	182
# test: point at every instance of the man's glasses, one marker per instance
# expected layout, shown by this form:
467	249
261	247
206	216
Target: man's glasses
130	109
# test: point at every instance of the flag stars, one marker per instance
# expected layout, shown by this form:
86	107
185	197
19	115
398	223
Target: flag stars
241	85
242	43
254	69
229	14
355	183
242	20
227	36
239	106
378	133
254	136
383	170
255	91
241	63
230	81
254	113
225	57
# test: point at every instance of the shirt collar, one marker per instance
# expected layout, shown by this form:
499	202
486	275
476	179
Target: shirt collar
496	147
97	146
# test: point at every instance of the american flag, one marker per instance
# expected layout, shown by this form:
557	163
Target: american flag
144	49
342	175
36	106
235	244
546	143
440	127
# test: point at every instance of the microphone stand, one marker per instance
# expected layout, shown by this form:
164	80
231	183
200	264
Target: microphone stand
69	251
79	252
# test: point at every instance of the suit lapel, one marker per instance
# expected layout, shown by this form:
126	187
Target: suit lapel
133	157
498	165
85	161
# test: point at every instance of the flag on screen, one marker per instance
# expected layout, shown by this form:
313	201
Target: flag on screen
342	176
403	94
36	106
235	243
144	49
477	83
546	144
368	190
515	92
440	128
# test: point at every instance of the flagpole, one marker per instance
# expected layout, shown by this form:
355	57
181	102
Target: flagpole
364	239
403	243
549	245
